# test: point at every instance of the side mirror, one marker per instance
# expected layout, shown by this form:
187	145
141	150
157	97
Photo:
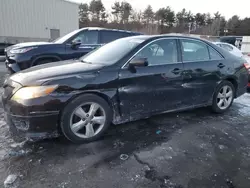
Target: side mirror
75	44
139	62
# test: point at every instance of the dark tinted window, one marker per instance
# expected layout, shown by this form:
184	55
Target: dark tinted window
87	37
108	36
160	52
193	50
214	55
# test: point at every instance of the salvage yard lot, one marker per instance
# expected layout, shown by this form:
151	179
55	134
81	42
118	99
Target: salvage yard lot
194	149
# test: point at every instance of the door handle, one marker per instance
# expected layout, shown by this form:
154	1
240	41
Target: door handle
176	71
221	65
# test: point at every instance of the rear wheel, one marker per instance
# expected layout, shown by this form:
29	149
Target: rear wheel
223	97
86	118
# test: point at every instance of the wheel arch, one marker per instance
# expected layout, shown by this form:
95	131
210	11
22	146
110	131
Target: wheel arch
233	80
42	57
97	93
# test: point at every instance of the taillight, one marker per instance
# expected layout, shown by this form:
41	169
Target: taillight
247	65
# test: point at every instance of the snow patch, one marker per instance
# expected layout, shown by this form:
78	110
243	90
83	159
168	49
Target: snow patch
244	103
10	180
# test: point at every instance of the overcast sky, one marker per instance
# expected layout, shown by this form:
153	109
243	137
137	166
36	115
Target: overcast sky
228	8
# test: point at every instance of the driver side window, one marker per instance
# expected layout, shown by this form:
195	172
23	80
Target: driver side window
87	37
160	52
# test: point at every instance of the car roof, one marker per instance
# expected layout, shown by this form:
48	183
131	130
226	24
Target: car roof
179	36
106	29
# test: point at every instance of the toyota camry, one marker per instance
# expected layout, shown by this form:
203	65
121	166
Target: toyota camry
126	80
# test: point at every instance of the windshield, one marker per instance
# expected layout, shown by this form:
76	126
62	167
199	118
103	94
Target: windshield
65	37
112	52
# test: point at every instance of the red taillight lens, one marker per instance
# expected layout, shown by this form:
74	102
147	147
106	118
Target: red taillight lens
247	66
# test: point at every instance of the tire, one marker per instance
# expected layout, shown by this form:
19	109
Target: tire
216	101
69	116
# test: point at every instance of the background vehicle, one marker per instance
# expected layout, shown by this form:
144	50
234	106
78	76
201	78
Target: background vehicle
235	51
2	47
73	45
125	80
231	48
233	40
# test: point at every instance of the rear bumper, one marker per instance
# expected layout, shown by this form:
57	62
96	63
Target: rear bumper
248	87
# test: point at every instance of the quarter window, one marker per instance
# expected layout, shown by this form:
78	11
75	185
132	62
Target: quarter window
214	55
160	52
87	37
193	50
227	47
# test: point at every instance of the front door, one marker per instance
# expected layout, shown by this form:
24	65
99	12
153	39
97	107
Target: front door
156	87
202	71
86	42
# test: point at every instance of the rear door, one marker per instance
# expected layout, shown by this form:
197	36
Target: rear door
88	39
203	66
107	36
156	87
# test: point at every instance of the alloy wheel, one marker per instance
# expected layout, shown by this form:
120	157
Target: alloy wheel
87	120
225	97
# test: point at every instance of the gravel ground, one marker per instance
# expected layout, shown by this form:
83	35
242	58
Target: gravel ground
193	149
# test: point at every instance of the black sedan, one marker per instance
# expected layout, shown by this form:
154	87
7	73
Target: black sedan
125	80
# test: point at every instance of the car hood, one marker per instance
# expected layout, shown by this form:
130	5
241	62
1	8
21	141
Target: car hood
62	69
27	44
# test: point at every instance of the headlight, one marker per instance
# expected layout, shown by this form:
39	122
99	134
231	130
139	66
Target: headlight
33	92
21	50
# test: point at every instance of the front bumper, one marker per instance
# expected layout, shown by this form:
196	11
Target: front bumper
16	62
36	119
35	127
12	67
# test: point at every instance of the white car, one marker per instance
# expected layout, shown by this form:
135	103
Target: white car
231	48
234	50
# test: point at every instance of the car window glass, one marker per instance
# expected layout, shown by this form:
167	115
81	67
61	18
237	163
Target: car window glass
87	37
227	47
112	52
214	55
160	52
108	36
193	50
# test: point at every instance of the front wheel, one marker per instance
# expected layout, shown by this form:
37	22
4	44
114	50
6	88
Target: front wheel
86	118
223	97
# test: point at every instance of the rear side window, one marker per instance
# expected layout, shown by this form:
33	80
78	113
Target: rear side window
214	55
227	47
193	50
108	36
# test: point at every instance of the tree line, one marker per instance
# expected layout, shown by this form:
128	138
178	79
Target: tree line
164	20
